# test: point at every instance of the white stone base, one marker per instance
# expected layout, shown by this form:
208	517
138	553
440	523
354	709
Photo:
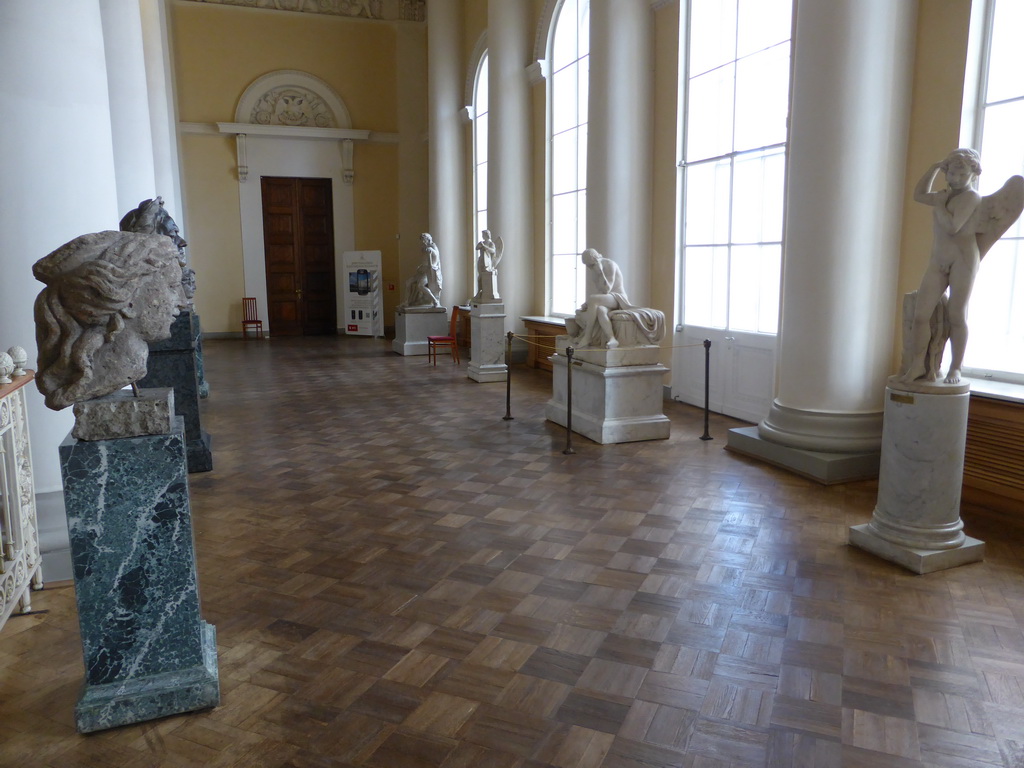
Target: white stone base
916	522
487	352
412	329
825	467
610	404
917	560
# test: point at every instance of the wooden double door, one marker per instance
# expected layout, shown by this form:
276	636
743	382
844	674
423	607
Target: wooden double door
298	240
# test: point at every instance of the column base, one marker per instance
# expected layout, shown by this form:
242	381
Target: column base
147	698
827	468
917	560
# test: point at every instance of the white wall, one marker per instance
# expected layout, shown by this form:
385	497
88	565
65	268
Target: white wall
58	170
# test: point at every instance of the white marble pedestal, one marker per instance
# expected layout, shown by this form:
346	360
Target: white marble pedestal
413	325
916	522
487	350
616	393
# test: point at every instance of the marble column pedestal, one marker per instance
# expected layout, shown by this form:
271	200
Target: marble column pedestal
197	331
413	325
916	522
147	651
487	352
616	393
172	363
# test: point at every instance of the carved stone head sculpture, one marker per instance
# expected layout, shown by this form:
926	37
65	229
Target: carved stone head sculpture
151	218
107	295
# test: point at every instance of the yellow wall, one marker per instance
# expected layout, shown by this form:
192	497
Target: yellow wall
940	59
218	51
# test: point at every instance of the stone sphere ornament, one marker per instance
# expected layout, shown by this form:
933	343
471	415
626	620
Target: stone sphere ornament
20	358
6	368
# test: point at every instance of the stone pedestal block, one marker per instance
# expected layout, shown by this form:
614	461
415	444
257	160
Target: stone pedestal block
197	329
147	651
487	352
412	327
123	414
916	522
172	363
610	404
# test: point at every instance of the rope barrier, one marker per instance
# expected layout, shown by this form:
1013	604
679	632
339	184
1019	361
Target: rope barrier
530	340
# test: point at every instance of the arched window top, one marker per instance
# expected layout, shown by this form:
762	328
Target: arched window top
570	33
476	60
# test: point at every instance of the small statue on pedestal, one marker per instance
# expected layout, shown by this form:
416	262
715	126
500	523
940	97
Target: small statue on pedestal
488	257
965	226
423	289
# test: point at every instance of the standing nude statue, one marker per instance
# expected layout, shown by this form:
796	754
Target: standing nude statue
965	226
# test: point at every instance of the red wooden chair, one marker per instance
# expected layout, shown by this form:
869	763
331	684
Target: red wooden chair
436	342
250	318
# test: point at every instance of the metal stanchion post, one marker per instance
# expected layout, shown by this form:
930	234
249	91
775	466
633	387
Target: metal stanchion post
568	401
508	377
707	387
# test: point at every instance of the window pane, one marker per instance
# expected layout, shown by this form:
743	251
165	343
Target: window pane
581	156
563	283
762	98
754	288
563	99
583	28
481	221
757	198
480	137
1002	153
481	86
707	203
563	223
563	162
763	23
581	223
563	47
583	89
714	43
706	286
709	114
481	186
996	311
1006	59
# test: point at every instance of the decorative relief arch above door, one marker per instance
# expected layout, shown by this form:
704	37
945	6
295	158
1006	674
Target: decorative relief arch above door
292	98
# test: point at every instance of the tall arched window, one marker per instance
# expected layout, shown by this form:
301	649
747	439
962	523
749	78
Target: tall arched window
480	109
996	310
569	57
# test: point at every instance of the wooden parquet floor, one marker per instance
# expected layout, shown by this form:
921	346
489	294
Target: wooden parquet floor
401	579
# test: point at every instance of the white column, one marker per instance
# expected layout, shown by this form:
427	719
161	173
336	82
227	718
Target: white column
58	161
162	108
129	106
619	130
852	75
445	78
509	159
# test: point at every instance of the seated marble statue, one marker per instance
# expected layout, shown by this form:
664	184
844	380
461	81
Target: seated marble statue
423	289
107	295
965	226
607	305
488	257
151	218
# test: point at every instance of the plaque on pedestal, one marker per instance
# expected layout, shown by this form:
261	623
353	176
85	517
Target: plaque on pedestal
172	363
147	651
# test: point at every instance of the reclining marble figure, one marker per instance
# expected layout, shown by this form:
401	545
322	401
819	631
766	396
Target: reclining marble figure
607	312
107	295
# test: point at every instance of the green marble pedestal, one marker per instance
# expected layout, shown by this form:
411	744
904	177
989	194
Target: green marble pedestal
147	651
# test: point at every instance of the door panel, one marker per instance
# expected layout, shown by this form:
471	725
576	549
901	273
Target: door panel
298	232
742	368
